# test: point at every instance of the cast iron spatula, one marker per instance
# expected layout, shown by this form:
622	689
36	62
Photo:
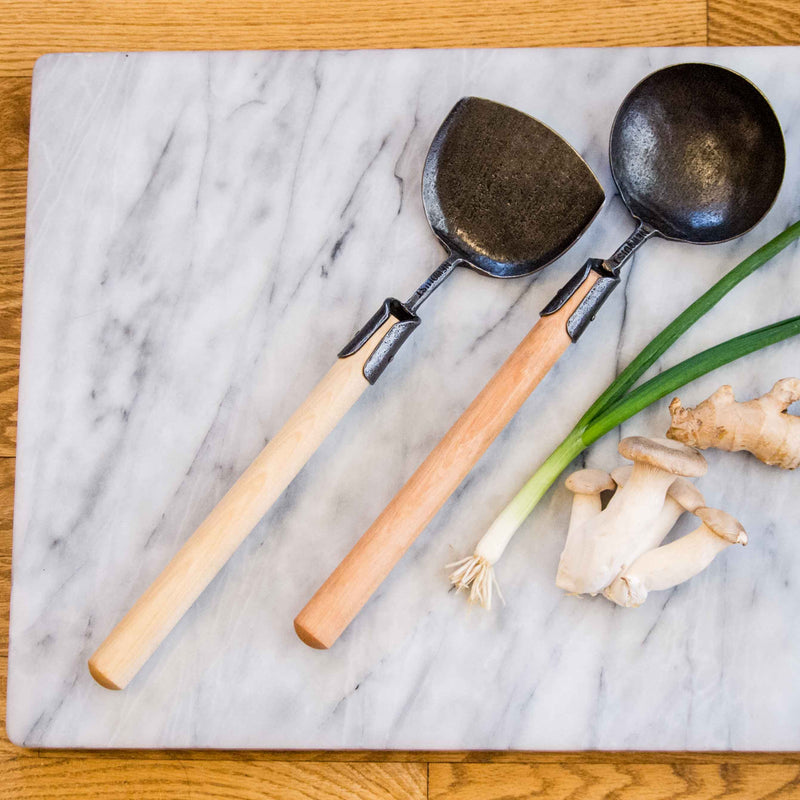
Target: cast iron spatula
506	196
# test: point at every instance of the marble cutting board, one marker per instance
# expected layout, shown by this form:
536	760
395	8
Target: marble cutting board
204	231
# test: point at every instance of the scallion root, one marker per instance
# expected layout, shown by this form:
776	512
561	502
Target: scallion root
476	574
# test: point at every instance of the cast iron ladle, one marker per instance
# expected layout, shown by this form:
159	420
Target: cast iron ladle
698	156
506	196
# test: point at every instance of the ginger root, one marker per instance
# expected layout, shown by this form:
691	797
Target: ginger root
762	427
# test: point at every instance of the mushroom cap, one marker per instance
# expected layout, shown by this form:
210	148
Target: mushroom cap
664	454
589	481
723	524
686	494
681	490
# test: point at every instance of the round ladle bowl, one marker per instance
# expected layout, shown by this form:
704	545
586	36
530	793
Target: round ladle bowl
697	153
698	156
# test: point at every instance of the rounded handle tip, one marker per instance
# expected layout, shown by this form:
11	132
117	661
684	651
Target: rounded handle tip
102	679
307	637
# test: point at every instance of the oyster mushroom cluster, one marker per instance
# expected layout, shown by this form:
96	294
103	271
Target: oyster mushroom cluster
618	550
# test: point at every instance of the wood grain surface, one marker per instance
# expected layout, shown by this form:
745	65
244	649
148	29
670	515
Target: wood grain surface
29	28
731	779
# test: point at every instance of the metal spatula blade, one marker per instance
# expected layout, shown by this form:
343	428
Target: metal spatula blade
506	196
503	191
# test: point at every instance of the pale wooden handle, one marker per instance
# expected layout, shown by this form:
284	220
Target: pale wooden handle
194	566
352	583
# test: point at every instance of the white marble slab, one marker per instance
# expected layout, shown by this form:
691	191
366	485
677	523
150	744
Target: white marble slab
204	232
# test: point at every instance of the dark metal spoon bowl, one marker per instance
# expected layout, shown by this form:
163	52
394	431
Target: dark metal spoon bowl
697	152
698	156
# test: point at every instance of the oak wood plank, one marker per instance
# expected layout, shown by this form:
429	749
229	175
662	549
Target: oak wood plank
731	779
753	22
6	512
15	111
575	758
32	27
29	28
58	779
7	750
12	237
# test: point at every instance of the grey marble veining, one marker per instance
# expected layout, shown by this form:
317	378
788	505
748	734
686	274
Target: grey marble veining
204	232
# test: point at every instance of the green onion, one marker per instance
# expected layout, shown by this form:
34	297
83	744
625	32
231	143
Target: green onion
664	340
616	404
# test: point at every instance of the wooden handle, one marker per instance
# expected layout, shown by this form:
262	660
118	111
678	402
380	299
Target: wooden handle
159	609
352	583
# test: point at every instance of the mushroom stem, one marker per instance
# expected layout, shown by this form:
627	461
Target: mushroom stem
674	563
648	485
682	496
587	486
584	507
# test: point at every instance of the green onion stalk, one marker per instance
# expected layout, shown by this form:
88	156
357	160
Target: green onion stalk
620	402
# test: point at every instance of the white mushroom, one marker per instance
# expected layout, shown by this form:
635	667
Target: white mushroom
607	540
676	562
587	486
682	496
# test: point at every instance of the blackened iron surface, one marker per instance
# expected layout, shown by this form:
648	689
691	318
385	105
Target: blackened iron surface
504	191
504	194
697	152
698	156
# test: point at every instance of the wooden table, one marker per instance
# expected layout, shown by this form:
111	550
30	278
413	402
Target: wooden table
29	28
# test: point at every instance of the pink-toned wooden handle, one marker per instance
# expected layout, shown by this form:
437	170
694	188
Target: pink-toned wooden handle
194	566
352	583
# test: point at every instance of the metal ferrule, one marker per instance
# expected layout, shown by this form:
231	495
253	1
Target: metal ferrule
590	305
608	270
388	346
